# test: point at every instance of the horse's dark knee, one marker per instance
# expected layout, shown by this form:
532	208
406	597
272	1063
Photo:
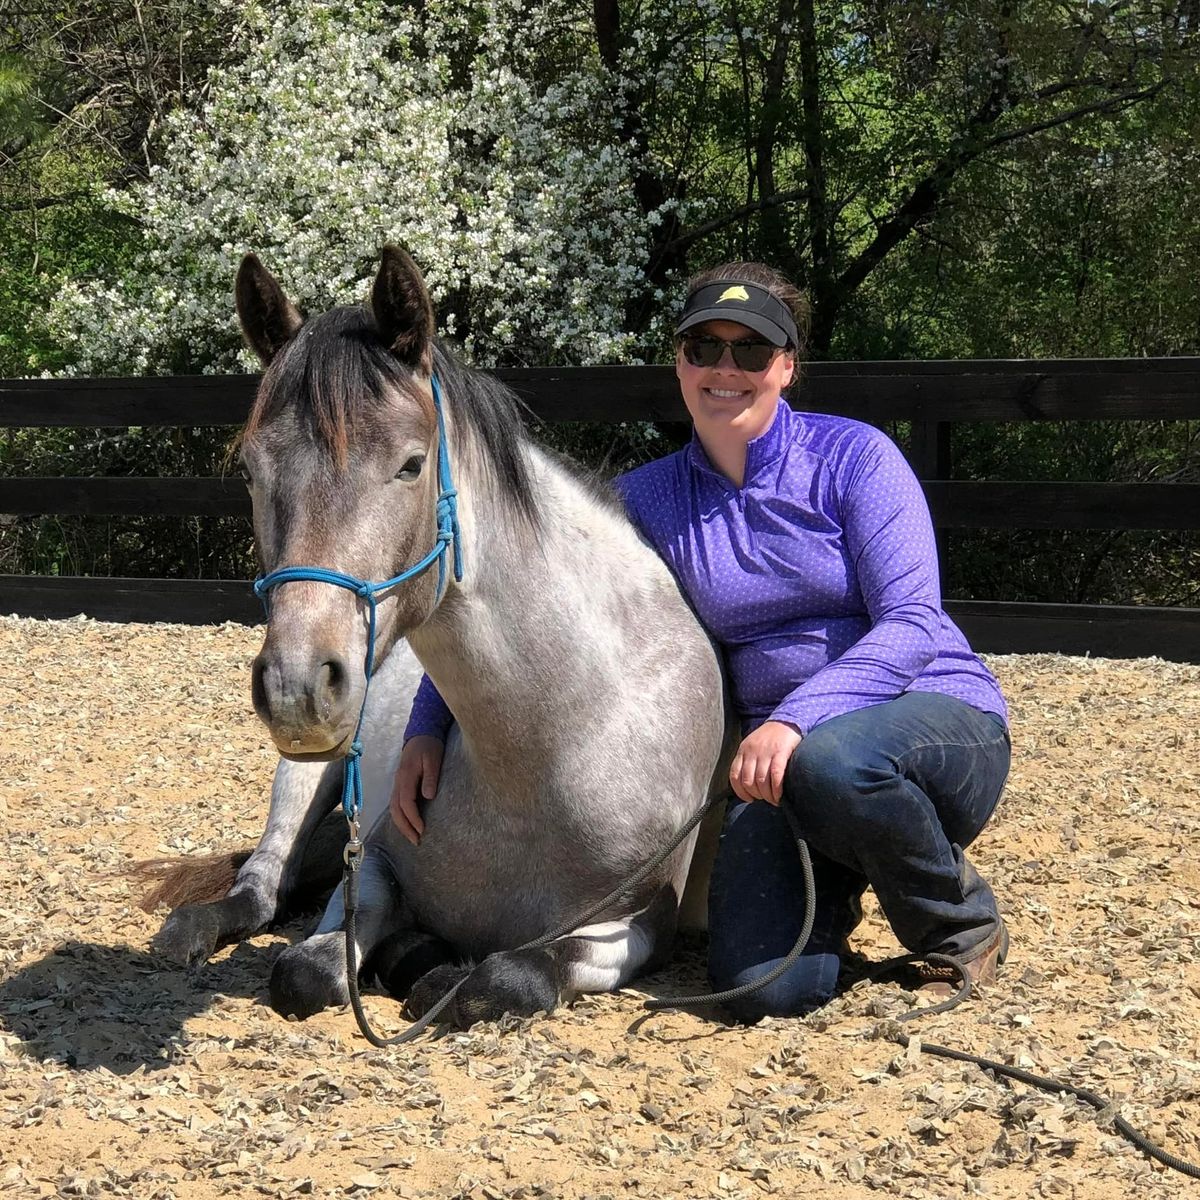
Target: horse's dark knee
310	977
193	932
404	958
521	982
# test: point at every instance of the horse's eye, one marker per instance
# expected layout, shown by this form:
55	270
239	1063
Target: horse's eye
244	472
411	469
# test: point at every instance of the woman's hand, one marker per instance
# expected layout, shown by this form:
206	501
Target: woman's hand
416	780
762	758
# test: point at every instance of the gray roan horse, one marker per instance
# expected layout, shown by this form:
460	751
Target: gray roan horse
588	701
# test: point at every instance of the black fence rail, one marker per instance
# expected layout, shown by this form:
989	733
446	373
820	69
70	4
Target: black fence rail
930	397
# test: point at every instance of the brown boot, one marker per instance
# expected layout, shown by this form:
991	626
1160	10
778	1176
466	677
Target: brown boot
981	967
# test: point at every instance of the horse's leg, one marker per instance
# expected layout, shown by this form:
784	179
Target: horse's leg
594	958
407	956
302	795
298	860
311	975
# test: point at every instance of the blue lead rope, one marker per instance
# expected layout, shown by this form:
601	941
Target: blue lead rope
448	538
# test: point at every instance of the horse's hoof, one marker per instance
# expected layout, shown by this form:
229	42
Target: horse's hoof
431	987
190	934
307	979
520	982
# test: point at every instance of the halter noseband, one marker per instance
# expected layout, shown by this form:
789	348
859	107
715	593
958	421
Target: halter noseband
449	539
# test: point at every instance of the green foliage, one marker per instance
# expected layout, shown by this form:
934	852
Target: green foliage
78	234
947	180
83	87
18	111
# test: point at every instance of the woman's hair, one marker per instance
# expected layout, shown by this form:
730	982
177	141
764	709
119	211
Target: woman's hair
779	286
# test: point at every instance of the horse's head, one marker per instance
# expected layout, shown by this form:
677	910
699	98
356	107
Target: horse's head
340	453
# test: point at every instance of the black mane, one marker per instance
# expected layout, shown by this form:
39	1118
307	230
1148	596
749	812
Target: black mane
337	366
496	417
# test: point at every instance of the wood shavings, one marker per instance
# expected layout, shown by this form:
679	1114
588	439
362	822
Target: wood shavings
123	1075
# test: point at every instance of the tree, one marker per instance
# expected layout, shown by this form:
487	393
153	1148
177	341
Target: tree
945	179
474	134
822	136
557	169
83	87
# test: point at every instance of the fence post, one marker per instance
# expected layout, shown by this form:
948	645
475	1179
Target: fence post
929	457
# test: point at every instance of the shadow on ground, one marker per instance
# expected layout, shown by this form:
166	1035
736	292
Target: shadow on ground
86	1005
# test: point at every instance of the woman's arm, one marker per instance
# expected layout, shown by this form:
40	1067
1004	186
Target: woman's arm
420	764
430	716
889	537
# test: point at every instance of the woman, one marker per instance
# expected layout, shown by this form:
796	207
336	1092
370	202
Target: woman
804	544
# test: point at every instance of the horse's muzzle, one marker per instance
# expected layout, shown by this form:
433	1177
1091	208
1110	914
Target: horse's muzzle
309	703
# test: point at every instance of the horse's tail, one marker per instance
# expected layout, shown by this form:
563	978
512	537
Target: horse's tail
199	879
203	878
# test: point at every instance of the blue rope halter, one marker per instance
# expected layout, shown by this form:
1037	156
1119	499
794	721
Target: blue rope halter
448	539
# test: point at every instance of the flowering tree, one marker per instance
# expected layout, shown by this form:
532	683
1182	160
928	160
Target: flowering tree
555	168
341	126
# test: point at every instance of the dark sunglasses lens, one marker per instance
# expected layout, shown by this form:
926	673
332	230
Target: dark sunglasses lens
702	351
748	355
752	356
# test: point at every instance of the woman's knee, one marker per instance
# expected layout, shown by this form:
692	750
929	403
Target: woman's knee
808	985
829	777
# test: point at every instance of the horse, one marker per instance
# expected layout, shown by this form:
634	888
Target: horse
588	702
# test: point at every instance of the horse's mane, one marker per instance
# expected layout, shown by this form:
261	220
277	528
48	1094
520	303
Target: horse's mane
496	417
337	367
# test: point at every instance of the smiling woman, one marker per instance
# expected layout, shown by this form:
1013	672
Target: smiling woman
805	547
736	347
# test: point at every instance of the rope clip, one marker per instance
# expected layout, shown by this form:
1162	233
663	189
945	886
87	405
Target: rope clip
353	852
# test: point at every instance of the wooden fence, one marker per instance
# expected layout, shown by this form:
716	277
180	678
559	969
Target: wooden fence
931	396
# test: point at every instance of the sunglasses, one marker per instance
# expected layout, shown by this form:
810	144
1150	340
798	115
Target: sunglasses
749	354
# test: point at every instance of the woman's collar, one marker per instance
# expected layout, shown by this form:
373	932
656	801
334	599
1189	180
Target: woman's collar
761	451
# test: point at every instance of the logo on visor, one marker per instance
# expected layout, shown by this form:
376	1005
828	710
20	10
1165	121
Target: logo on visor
737	292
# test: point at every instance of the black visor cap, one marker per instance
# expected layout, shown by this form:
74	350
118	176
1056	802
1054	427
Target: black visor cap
746	303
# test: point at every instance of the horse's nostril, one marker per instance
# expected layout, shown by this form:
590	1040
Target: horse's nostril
333	683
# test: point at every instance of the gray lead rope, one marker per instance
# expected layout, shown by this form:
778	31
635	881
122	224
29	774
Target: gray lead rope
350	897
1042	1082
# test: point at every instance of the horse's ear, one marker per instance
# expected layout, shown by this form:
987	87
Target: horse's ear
402	309
269	319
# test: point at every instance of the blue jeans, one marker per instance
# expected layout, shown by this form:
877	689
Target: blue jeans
887	797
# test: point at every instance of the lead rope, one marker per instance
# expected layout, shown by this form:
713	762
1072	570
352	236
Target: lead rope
888	1030
447	541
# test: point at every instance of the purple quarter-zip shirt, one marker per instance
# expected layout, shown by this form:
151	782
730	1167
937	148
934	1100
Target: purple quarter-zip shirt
817	577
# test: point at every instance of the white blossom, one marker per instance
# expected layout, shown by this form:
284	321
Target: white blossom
342	126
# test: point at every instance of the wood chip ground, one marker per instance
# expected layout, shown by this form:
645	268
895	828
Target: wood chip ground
123	1075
